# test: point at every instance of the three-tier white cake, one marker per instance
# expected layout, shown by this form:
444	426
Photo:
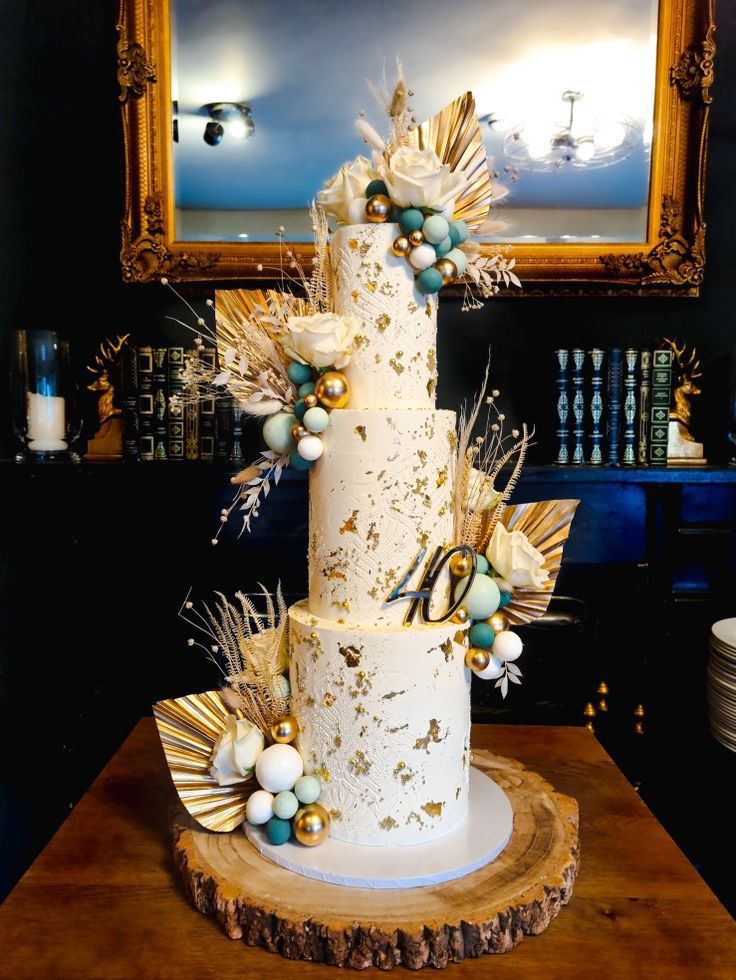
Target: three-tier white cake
383	708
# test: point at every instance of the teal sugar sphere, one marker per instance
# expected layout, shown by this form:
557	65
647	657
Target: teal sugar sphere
316	419
306	389
481	565
278	830
297	462
307	789
300	410
458	232
299	373
435	229
481	635
285	805
482	599
460	259
505	599
429	281
443	248
277	432
411	220
376	187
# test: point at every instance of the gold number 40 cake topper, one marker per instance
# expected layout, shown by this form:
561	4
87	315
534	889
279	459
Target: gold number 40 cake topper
421	598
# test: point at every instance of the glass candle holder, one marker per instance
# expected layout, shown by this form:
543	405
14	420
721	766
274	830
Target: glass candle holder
43	406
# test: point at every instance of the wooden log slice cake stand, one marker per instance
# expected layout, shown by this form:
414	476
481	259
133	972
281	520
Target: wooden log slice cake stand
487	911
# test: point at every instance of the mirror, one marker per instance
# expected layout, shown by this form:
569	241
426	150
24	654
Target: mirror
565	92
594	117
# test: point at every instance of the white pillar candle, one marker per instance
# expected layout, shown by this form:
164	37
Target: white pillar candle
46	423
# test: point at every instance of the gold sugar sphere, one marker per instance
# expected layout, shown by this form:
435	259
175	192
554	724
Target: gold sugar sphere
378	208
333	390
461	617
447	269
401	246
477	658
415	238
311	825
311	401
284	730
461	564
298	432
498	622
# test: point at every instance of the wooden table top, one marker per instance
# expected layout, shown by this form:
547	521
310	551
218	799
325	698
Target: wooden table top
101	899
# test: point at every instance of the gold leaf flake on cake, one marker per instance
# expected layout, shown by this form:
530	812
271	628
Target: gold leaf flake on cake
415	817
361	341
399	728
355	295
324	773
350	524
452	439
446	648
442	477
433	809
422	454
457	793
360	764
383	321
329	699
360	431
433	735
353	244
338	741
310	702
412	306
371	285
373	536
388	823
398	368
461	636
423	539
431	360
378	358
391	695
351	655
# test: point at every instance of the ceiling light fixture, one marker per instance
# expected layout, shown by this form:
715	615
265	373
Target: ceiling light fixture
231	119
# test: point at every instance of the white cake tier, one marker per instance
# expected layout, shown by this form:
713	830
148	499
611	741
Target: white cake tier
395	364
381	491
384	721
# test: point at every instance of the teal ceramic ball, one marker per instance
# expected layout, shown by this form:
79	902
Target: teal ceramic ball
307	789
460	259
483	598
443	248
299	373
481	635
435	229
481	565
411	220
376	187
505	599
458	232
278	830
277	432
285	805
429	281
316	420
297	462
300	409
306	389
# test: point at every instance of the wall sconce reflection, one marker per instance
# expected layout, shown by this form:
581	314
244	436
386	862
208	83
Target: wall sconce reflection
231	119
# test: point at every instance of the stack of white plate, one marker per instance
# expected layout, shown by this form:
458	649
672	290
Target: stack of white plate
722	682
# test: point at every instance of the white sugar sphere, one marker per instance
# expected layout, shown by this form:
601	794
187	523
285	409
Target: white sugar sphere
460	259
435	229
259	808
278	767
494	669
422	257
316	419
483	598
356	211
310	447
507	645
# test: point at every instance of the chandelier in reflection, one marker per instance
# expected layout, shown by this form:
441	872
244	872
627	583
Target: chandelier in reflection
539	146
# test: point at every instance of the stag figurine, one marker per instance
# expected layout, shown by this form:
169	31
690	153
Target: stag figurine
682	447
107	442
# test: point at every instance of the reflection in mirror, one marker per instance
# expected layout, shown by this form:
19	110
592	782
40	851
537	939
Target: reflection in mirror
264	103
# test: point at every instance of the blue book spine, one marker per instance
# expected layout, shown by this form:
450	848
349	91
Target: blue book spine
563	407
631	358
578	405
615	382
596	406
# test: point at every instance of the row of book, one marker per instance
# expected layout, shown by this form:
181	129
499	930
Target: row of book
613	406
155	427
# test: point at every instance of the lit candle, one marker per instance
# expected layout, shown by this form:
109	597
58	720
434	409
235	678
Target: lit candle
46	423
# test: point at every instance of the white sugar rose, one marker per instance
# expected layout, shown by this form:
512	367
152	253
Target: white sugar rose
322	340
236	751
348	184
417	178
515	558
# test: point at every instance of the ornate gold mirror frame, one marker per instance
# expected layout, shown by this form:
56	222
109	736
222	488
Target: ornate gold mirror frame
670	263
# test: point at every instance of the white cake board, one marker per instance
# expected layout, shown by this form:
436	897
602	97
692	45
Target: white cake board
481	838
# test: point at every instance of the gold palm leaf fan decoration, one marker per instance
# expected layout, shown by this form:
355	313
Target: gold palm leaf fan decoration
547	526
455	136
235	307
188	728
